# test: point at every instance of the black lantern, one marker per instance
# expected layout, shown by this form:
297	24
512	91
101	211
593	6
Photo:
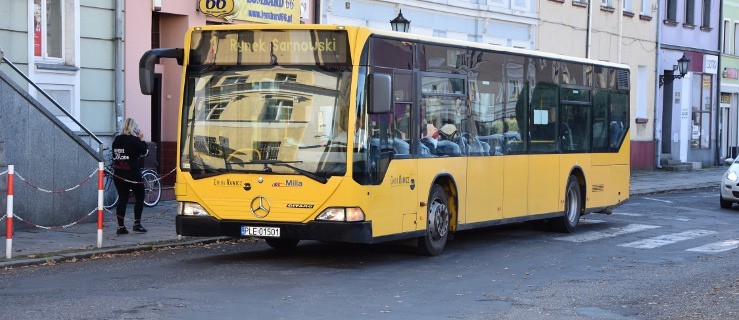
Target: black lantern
683	64
400	23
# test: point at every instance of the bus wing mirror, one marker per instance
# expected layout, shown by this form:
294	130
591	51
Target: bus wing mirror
380	93
146	65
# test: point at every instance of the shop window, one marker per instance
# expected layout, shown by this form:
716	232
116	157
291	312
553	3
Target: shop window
700	130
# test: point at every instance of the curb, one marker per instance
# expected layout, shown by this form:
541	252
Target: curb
85	254
648	191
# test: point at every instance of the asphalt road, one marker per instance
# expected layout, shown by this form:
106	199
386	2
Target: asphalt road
667	256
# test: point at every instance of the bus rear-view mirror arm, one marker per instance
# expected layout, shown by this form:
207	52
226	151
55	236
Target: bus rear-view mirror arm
380	93
146	65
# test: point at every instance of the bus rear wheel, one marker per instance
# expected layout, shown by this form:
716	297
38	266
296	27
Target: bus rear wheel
437	223
281	244
573	208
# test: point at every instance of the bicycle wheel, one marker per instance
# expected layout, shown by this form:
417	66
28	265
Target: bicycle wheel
152	188
110	194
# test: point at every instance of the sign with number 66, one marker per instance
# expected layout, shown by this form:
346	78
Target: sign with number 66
216	8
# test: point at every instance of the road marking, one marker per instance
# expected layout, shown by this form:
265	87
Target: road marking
653	199
591	221
610	233
717	246
666	239
629	214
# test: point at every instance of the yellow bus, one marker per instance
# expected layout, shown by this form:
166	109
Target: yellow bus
350	134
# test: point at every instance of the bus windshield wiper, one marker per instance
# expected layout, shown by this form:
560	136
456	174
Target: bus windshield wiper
266	163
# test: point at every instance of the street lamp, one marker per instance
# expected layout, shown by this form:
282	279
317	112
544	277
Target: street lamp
400	23
682	65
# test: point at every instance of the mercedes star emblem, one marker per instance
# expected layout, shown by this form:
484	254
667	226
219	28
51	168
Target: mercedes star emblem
260	207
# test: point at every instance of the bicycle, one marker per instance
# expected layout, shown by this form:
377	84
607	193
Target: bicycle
150	179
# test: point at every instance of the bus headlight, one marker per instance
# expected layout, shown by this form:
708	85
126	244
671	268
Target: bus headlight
191	209
350	214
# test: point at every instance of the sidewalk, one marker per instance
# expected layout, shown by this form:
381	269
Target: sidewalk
38	246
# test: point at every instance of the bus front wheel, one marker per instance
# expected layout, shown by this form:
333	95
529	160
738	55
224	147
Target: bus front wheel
437	223
573	208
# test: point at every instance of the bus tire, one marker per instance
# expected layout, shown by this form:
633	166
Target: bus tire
437	223
281	244
573	208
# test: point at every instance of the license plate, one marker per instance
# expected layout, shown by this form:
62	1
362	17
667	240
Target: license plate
272	232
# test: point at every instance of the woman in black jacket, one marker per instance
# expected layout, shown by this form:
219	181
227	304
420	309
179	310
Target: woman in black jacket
128	147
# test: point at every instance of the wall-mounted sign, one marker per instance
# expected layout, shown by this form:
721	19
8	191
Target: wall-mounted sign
217	8
725	98
267	11
730	73
710	64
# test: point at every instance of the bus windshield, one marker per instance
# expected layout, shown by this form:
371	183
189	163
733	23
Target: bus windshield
284	112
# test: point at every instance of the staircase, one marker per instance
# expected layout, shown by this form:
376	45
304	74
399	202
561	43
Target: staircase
677	165
46	155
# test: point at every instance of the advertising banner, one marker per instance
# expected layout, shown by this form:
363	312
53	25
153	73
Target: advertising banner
266	11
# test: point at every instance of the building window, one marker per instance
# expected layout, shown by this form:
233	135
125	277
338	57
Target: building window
671	10
520	4
48	29
725	46
736	39
645	10
700	131
690	12
626	4
606	3
706	14
641	92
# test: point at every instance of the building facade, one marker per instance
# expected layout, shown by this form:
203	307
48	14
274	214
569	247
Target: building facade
729	75
67	47
622	31
503	22
687	110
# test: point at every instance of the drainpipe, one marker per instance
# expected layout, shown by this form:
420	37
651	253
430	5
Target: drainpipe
589	31
657	69
620	28
719	161
119	65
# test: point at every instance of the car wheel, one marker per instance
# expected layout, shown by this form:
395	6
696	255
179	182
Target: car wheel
724	204
437	223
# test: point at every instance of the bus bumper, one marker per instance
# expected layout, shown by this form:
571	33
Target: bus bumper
351	232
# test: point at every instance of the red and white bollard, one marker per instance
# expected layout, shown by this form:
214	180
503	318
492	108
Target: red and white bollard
9	220
101	194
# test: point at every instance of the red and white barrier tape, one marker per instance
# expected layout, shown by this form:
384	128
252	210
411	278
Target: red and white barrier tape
159	178
55	227
55	191
4	172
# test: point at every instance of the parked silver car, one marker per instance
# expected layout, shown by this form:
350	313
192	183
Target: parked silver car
730	184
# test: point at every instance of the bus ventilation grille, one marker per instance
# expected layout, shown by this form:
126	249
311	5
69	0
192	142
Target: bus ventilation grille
623	80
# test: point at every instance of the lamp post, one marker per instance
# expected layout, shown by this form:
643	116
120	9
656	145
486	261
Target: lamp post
682	65
400	23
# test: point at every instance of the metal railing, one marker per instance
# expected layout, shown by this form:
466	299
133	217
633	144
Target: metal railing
91	136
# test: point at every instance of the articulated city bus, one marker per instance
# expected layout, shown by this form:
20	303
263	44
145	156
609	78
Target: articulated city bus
349	134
